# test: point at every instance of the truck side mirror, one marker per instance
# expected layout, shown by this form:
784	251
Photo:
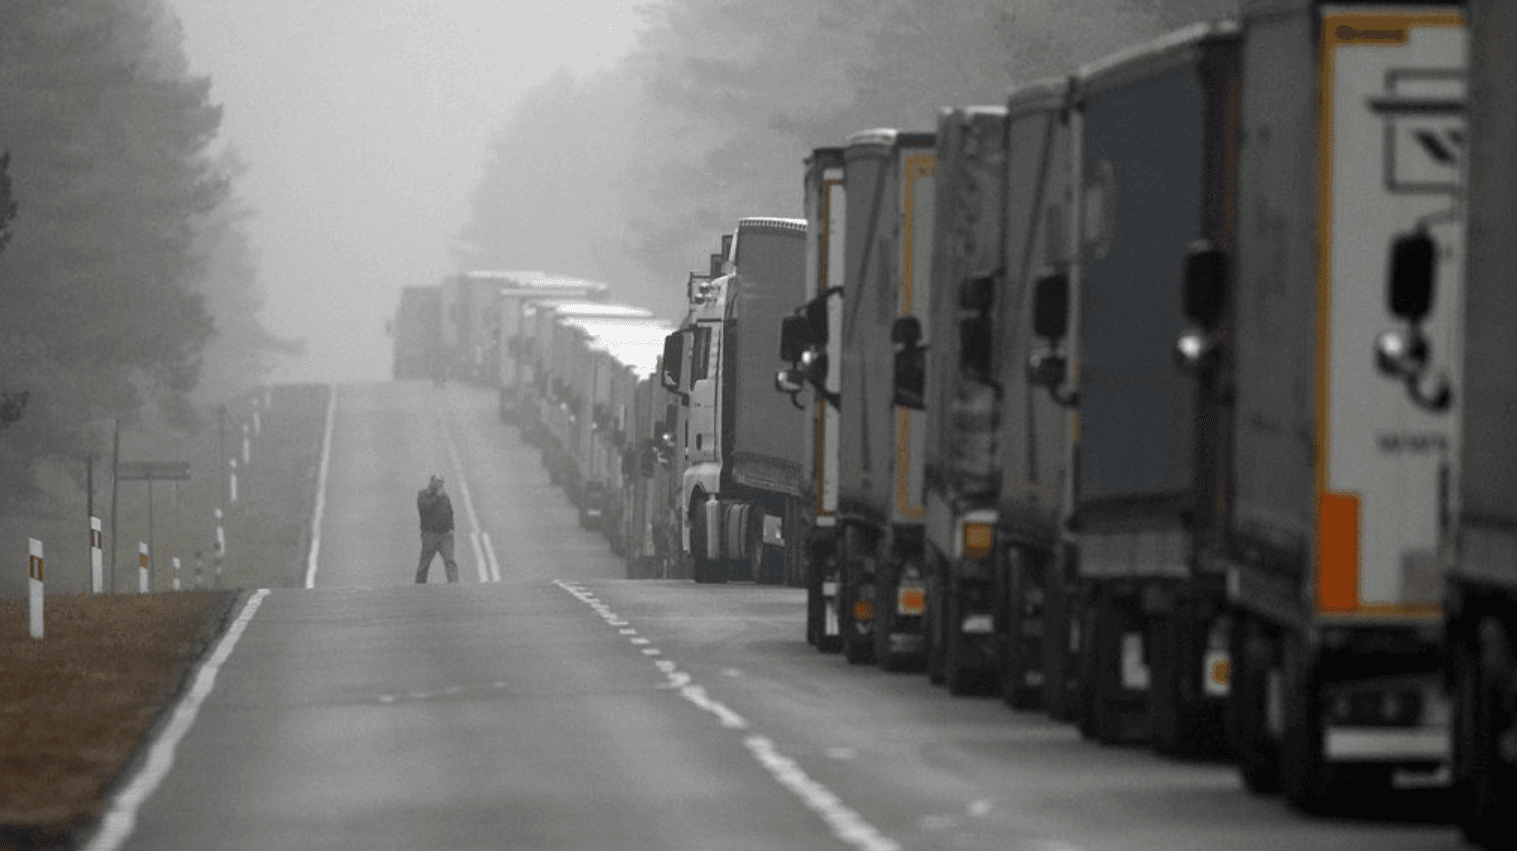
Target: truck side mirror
816	321
1411	288
674	357
1402	353
906	331
910	376
1205	285
1050	306
976	347
793	338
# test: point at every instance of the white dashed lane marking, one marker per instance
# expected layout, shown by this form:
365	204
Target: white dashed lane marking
845	823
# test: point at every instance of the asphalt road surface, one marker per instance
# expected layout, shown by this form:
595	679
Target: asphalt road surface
565	707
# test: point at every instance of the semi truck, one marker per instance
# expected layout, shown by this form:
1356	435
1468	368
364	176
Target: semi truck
1342	483
887	257
1480	598
1150	132
415	330
1034	564
595	346
962	404
741	493
552	413
811	341
516	290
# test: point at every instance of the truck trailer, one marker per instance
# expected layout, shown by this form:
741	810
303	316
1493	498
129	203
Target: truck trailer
1150	132
1480	598
963	398
415	330
1342	482
517	289
742	487
811	341
887	257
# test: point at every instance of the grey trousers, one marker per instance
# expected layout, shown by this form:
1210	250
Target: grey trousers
433	543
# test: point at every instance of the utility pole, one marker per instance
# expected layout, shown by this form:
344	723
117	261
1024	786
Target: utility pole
115	477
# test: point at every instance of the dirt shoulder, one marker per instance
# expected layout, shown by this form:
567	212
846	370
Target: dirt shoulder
80	701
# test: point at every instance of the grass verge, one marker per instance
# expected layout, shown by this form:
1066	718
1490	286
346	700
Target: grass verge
79	702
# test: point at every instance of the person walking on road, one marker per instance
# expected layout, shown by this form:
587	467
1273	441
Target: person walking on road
436	512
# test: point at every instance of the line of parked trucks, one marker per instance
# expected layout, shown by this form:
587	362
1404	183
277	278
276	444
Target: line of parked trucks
1173	396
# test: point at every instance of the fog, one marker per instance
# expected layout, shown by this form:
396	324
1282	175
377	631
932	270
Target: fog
365	124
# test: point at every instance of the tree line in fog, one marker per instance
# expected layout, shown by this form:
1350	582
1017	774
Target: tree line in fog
630	175
128	287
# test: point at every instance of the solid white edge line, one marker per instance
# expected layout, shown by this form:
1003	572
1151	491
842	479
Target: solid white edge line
490	554
321	487
479	557
463	491
121	817
845	823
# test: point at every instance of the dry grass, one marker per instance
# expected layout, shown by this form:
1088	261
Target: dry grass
75	706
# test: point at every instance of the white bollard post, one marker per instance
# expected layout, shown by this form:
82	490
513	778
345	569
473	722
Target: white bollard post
220	546
199	570
232	497
97	565
247	446
257	425
34	580
144	571
176	573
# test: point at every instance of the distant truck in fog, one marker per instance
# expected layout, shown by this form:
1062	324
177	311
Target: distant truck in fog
415	333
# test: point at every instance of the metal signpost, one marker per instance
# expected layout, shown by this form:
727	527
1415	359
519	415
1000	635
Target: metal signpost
150	471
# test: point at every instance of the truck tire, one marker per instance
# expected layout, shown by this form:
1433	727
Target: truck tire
858	648
959	675
1485	674
934	619
1108	713
1185	723
1305	777
886	588
702	569
1257	752
1019	627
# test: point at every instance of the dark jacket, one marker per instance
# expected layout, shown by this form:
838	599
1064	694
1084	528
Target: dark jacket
436	511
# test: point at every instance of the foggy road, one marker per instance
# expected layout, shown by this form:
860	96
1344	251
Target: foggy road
565	707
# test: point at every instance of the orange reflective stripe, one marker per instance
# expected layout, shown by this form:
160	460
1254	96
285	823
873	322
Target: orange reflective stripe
34	568
1337	552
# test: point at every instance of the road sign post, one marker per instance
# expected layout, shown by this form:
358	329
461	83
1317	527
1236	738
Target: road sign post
151	471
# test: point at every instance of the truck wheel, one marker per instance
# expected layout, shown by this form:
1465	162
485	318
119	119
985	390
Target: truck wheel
934	619
1064	635
1111	714
885	617
1256	751
959	675
858	645
1487	688
702	569
1018	624
1304	773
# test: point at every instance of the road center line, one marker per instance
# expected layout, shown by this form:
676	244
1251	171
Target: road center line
121	817
480	563
321	486
845	823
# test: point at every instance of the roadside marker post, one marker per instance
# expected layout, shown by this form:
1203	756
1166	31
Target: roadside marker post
232	494
97	563
34	580
144	570
220	546
247	446
177	586
257	424
199	565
